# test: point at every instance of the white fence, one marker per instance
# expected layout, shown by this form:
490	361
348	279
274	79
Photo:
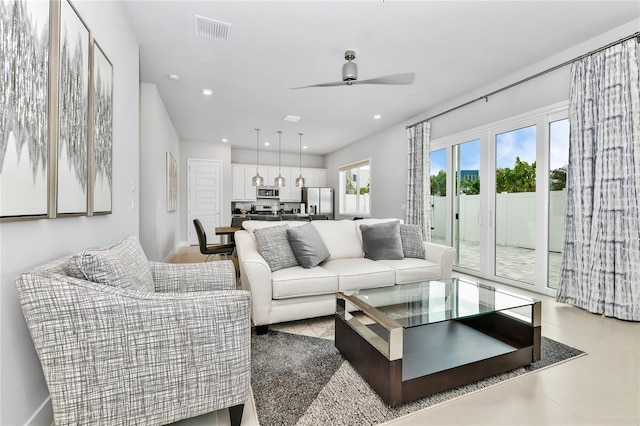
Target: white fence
515	219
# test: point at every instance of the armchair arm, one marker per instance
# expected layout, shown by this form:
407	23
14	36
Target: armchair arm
255	276
185	277
442	255
117	356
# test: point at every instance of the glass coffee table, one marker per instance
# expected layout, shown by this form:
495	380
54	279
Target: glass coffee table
412	340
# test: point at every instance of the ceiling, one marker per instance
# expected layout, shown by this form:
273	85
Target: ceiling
452	47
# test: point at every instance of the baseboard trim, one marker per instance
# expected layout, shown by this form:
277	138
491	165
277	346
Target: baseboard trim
175	250
43	415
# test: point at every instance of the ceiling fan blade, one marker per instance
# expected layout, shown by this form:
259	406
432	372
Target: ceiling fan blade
404	78
333	83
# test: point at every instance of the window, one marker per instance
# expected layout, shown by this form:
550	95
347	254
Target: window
355	182
513	230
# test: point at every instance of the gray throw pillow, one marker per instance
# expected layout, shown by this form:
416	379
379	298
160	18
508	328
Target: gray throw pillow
412	241
382	241
122	265
274	246
307	245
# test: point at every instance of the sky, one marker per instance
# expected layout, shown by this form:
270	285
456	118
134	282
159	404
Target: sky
516	143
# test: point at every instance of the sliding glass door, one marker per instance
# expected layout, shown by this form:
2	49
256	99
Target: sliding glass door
466	204
498	197
515	204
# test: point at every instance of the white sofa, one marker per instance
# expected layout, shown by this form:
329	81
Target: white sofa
297	293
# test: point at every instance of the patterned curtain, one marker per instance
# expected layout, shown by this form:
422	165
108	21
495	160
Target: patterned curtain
601	260
418	184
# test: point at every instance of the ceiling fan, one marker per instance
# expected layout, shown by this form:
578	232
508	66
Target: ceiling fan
350	76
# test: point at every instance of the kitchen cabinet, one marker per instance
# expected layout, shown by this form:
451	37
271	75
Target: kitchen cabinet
319	177
243	190
315	177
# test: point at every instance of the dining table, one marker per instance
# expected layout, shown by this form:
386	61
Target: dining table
227	232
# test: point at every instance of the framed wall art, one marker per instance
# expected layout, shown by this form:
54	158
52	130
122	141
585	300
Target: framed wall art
172	183
102	129
24	116
73	106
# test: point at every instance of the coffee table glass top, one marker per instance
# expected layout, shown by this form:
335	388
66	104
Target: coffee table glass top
429	302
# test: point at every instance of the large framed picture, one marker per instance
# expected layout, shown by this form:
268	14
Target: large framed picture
172	183
24	140
73	94
102	146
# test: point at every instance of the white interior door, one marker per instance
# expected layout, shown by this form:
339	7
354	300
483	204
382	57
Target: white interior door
204	188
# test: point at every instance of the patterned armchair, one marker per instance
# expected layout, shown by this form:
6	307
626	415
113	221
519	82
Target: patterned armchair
113	352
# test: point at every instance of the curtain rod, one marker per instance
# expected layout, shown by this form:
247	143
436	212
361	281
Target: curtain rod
486	97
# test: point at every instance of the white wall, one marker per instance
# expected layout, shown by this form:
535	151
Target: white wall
203	151
248	156
159	230
388	149
23	245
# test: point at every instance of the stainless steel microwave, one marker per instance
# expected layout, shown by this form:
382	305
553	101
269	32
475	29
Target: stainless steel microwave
270	192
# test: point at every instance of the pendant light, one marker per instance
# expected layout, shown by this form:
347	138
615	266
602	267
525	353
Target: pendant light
257	180
300	179
279	181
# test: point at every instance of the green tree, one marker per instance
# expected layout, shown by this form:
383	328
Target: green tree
470	187
439	184
522	178
558	179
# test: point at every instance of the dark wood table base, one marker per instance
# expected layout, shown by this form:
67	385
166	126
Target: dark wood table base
442	356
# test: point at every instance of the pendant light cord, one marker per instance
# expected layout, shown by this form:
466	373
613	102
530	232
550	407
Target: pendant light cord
257	150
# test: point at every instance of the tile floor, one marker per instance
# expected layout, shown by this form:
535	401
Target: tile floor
602	388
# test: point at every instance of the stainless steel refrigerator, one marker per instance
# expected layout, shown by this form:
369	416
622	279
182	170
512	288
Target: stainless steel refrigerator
318	201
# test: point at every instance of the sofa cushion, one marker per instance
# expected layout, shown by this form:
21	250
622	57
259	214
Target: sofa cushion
122	265
252	225
371	221
274	247
382	241
298	281
412	237
409	270
307	245
359	273
340	237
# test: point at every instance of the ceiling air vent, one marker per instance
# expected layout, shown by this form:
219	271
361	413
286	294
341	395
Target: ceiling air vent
210	28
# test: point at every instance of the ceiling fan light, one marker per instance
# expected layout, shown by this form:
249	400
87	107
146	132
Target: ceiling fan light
349	71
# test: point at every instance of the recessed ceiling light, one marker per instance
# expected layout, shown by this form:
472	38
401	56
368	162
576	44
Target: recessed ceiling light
207	92
225	140
292	118
304	147
267	144
377	116
173	77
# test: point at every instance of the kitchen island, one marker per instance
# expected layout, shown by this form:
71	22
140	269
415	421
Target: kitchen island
271	217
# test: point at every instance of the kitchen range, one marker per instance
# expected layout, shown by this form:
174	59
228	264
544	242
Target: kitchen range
314	200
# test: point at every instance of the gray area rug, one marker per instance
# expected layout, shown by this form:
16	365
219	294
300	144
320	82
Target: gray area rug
301	380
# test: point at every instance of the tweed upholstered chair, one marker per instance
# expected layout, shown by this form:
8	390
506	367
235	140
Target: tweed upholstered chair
123	340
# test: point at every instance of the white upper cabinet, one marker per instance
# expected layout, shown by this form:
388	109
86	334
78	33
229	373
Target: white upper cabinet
243	190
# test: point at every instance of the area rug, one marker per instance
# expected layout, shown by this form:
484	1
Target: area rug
302	380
